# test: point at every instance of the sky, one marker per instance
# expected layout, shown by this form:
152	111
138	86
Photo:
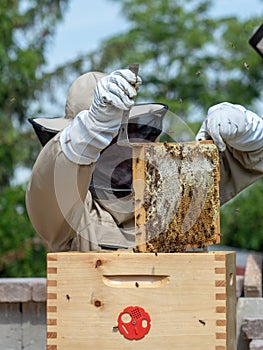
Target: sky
85	25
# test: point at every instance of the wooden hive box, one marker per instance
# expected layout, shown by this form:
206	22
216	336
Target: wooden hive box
176	188
124	301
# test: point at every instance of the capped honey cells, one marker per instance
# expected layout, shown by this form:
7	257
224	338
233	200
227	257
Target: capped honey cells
176	196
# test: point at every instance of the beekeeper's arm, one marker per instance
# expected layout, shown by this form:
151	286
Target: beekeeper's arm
238	133
93	130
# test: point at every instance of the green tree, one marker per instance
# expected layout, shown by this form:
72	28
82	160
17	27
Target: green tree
191	61
26	30
188	59
241	219
22	252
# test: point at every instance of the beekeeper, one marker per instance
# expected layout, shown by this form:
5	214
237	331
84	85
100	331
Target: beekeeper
79	196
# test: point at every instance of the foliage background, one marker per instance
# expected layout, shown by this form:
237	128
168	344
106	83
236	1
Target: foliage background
187	59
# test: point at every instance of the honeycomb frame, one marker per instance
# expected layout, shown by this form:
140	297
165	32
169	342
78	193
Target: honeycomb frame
176	188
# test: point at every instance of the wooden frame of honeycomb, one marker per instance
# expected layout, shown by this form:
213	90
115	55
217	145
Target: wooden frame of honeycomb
176	189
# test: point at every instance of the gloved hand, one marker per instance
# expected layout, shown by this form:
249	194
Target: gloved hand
117	89
92	130
232	124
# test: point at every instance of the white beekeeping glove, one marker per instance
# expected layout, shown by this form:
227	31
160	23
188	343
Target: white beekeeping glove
232	124
92	130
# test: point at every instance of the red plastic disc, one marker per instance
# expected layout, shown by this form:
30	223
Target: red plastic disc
134	322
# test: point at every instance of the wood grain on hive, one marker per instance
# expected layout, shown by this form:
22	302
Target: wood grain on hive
176	189
190	299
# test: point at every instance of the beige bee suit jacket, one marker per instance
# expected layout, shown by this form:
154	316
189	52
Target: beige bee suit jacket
63	211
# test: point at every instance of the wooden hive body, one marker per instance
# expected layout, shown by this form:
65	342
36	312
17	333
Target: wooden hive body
189	297
176	189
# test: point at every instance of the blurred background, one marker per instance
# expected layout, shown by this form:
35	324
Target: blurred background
192	54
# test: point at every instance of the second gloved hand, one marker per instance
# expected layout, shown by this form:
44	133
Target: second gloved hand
92	130
232	124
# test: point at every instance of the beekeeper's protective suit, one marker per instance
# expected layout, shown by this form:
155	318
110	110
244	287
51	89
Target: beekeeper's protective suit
80	194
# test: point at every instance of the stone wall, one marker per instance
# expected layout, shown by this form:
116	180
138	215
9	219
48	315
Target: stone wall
250	306
22	313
